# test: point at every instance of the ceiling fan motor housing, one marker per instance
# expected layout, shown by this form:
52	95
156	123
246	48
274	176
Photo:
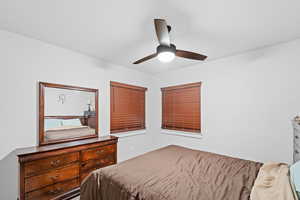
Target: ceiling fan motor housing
163	48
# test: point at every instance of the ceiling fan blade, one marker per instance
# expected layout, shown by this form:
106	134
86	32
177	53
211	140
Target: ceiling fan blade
162	32
190	55
145	58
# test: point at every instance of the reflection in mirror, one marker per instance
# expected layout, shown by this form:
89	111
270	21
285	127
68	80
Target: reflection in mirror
68	113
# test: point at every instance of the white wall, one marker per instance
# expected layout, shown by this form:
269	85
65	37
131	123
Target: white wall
23	63
248	102
74	102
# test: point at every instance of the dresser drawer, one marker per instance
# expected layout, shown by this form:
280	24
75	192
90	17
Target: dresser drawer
94	166
84	175
98	153
88	166
109	159
51	177
38	166
52	191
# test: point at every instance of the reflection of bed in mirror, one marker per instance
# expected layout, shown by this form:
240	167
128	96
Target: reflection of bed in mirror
64	127
67	113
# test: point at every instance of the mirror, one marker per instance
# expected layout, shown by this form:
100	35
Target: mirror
67	113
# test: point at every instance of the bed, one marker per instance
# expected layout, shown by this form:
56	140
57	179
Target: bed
66	132
64	127
173	173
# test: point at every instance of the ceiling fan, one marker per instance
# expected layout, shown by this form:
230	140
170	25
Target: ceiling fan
166	51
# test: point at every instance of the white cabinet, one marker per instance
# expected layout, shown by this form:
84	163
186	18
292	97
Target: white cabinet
296	155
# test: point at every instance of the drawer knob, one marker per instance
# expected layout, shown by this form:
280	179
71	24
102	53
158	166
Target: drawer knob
55	163
55	191
54	178
100	162
100	151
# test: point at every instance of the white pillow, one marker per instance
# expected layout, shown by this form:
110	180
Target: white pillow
72	122
52	123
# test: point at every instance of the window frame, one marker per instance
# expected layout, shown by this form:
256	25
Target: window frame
132	87
181	87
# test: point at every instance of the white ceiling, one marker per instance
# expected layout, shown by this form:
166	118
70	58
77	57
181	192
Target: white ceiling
122	31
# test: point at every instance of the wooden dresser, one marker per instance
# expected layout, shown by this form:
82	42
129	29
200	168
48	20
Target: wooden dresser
56	171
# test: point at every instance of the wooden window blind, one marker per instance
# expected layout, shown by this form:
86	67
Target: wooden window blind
181	107
127	107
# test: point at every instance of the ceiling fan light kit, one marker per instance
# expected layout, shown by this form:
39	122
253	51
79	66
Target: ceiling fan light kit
166	52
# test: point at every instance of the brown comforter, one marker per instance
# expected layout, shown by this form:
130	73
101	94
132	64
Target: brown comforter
173	173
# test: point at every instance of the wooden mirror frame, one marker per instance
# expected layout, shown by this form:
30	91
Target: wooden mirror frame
42	86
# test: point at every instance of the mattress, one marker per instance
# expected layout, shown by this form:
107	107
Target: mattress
66	132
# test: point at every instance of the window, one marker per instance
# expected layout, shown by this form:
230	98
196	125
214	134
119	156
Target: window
181	107
127	107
